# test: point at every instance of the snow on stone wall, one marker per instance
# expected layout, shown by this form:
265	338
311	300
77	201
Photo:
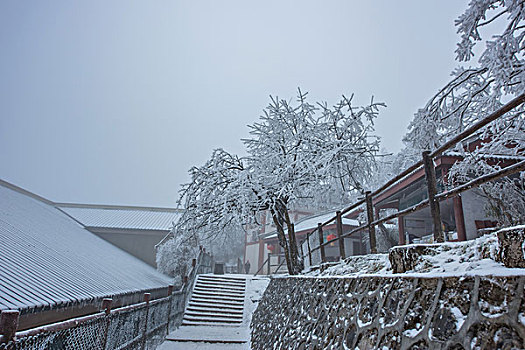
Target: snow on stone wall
391	313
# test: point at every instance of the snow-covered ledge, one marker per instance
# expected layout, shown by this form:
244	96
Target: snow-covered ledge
505	246
511	250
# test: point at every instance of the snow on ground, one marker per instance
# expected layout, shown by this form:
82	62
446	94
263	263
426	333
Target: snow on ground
475	257
255	287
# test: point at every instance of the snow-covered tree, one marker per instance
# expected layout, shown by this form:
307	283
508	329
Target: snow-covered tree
175	255
296	152
475	92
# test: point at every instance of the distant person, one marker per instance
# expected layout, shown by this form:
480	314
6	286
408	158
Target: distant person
247	266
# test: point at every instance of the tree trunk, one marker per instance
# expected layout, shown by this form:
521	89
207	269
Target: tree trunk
282	240
294	252
280	216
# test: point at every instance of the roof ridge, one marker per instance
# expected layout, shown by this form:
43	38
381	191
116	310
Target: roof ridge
25	192
116	207
82	205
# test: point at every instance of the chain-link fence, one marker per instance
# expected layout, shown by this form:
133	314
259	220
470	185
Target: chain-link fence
139	326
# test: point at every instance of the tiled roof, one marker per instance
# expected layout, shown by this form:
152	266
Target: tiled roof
120	217
46	258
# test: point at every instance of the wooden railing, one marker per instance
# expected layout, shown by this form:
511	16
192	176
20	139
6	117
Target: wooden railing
268	264
433	199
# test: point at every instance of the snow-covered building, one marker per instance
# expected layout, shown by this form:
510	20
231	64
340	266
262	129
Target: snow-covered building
462	216
264	241
134	229
53	268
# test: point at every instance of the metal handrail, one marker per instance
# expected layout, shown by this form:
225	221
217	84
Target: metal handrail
262	266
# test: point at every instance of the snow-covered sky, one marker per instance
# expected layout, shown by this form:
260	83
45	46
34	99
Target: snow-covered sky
113	101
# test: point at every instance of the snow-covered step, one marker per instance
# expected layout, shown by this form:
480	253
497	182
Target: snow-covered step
211	323
227	320
214	309
229	302
220	287
209	333
216	300
213	314
216	304
218	290
219	294
225	282
230	281
203	311
219	299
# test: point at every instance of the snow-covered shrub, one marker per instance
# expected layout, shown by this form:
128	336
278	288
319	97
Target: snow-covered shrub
174	256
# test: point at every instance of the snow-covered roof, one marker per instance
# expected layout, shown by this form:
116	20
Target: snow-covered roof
47	258
122	217
311	222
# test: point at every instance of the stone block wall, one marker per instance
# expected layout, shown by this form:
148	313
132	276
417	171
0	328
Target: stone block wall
391	313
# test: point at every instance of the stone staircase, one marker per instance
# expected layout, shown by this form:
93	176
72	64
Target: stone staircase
217	300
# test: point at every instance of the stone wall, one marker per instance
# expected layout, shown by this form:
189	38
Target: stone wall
391	313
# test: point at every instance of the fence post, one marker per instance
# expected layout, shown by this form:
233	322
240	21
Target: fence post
106	305
302	250
321	246
339	230
370	218
147	297
430	175
8	325
170	304
309	249
401	229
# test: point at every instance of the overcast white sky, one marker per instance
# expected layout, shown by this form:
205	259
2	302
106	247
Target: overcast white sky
113	101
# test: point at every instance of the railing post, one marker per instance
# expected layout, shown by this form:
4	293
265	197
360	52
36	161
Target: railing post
430	175
370	218
321	246
147	297
339	230
170	305
309	249
401	229
193	262
106	305
8	325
